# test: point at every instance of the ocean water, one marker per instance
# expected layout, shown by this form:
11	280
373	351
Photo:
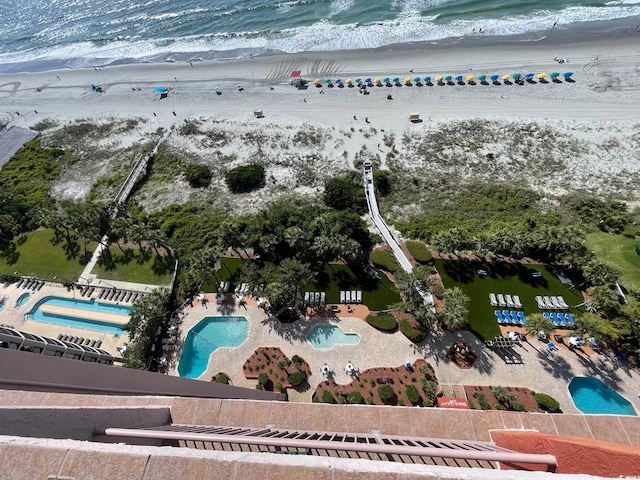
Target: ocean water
45	34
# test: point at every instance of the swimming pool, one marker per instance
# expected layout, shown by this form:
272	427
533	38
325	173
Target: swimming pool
206	337
87	314
22	299
323	337
592	396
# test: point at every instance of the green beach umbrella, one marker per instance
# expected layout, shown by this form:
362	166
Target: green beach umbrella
482	78
358	80
385	79
516	76
448	78
328	80
417	79
554	74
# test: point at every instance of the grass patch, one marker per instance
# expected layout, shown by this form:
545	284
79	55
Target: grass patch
620	252
384	259
41	256
134	266
382	321
419	251
502	277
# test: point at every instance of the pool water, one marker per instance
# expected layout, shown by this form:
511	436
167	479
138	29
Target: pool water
22	299
323	337
206	337
592	396
2	302
84	319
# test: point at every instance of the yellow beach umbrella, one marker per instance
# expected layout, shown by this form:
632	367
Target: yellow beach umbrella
407	80
348	80
469	78
376	80
541	75
439	78
316	81
506	77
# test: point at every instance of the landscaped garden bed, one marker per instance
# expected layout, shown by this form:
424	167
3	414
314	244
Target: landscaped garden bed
274	370
508	398
221	377
460	354
417	385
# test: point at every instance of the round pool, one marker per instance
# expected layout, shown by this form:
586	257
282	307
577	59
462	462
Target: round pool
323	337
591	396
206	337
22	299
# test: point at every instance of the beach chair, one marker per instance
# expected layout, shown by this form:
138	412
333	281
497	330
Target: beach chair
506	316
521	317
347	296
342	296
238	288
359	296
556	303
221	287
547	302
509	301
306	298
501	301
323	298
551	346
227	285
555	319
562	303
568	318
514	317
354	297
517	302
493	300
499	316
540	302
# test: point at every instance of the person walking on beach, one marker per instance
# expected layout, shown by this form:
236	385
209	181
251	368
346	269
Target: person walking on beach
355	118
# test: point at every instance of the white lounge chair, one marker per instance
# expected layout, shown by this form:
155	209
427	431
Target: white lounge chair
562	303
556	303
353	296
306	298
342	296
540	302
226	287
221	287
493	300
516	301
243	288
323	298
547	302
359	296
509	301
238	288
347	295
501	301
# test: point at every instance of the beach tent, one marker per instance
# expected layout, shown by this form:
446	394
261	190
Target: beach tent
160	90
567	74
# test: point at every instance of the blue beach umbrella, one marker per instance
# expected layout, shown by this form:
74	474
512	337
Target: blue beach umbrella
159	89
339	80
567	74
368	79
529	75
494	77
427	79
458	78
396	80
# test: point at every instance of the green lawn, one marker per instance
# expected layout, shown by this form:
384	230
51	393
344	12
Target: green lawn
135	266
377	294
620	252
40	257
505	278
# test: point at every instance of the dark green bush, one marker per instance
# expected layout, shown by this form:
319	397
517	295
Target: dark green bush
386	393
382	321
344	194
518	407
430	389
413	394
547	402
482	401
297	360
263	379
355	398
419	251
327	397
382	182
296	378
244	178
222	378
279	386
416	336
284	363
384	259
198	175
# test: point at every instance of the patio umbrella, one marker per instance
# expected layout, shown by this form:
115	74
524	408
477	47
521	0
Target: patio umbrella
458	78
396	79
439	78
448	78
554	74
541	75
482	77
416	79
506	77
529	75
427	79
494	77
215	88
516	76
469	78
567	74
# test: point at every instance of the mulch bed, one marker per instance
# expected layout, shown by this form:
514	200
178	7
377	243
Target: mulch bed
368	382
516	394
277	366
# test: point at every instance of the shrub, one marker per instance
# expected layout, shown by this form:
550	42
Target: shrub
284	363
482	401
382	182
518	407
296	378
259	387
369	400
430	389
279	386
198	175
263	379
355	398
222	378
384	259
382	321
413	394
416	336
419	251
297	360
244	178
344	194
547	402
499	406
386	393
327	397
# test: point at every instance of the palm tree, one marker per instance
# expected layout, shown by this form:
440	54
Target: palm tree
605	299
589	324
539	326
294	236
600	273
455	308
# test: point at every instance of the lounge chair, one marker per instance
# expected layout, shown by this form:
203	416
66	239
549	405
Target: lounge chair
547	302
562	303
323	298
306	298
556	303
514	317
354	297
507	317
517	302
347	296
499	316
359	296
551	346
568	318
521	317
342	296
238	288
556	319
243	288
493	300
540	302
501	301
509	301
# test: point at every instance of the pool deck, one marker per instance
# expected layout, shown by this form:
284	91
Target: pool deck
533	367
15	316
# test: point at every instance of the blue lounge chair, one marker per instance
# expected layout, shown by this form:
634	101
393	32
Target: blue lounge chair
507	317
514	316
568	318
522	318
546	314
499	316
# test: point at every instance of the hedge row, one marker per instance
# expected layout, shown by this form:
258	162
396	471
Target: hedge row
382	321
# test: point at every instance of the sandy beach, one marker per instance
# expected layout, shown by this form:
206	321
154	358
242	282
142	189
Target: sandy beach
599	110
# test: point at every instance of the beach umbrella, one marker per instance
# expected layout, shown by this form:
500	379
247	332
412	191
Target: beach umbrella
385	79
482	77
396	79
448	78
215	88
376	80
238	86
339	80
439	78
554	74
316	81
348	80
529	75
506	77
368	79
458	78
494	77
359	80
407	80
416	79
516	76
427	79
567	74
328	80
469	78
541	75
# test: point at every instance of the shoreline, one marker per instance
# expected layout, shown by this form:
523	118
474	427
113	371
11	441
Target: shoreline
585	33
